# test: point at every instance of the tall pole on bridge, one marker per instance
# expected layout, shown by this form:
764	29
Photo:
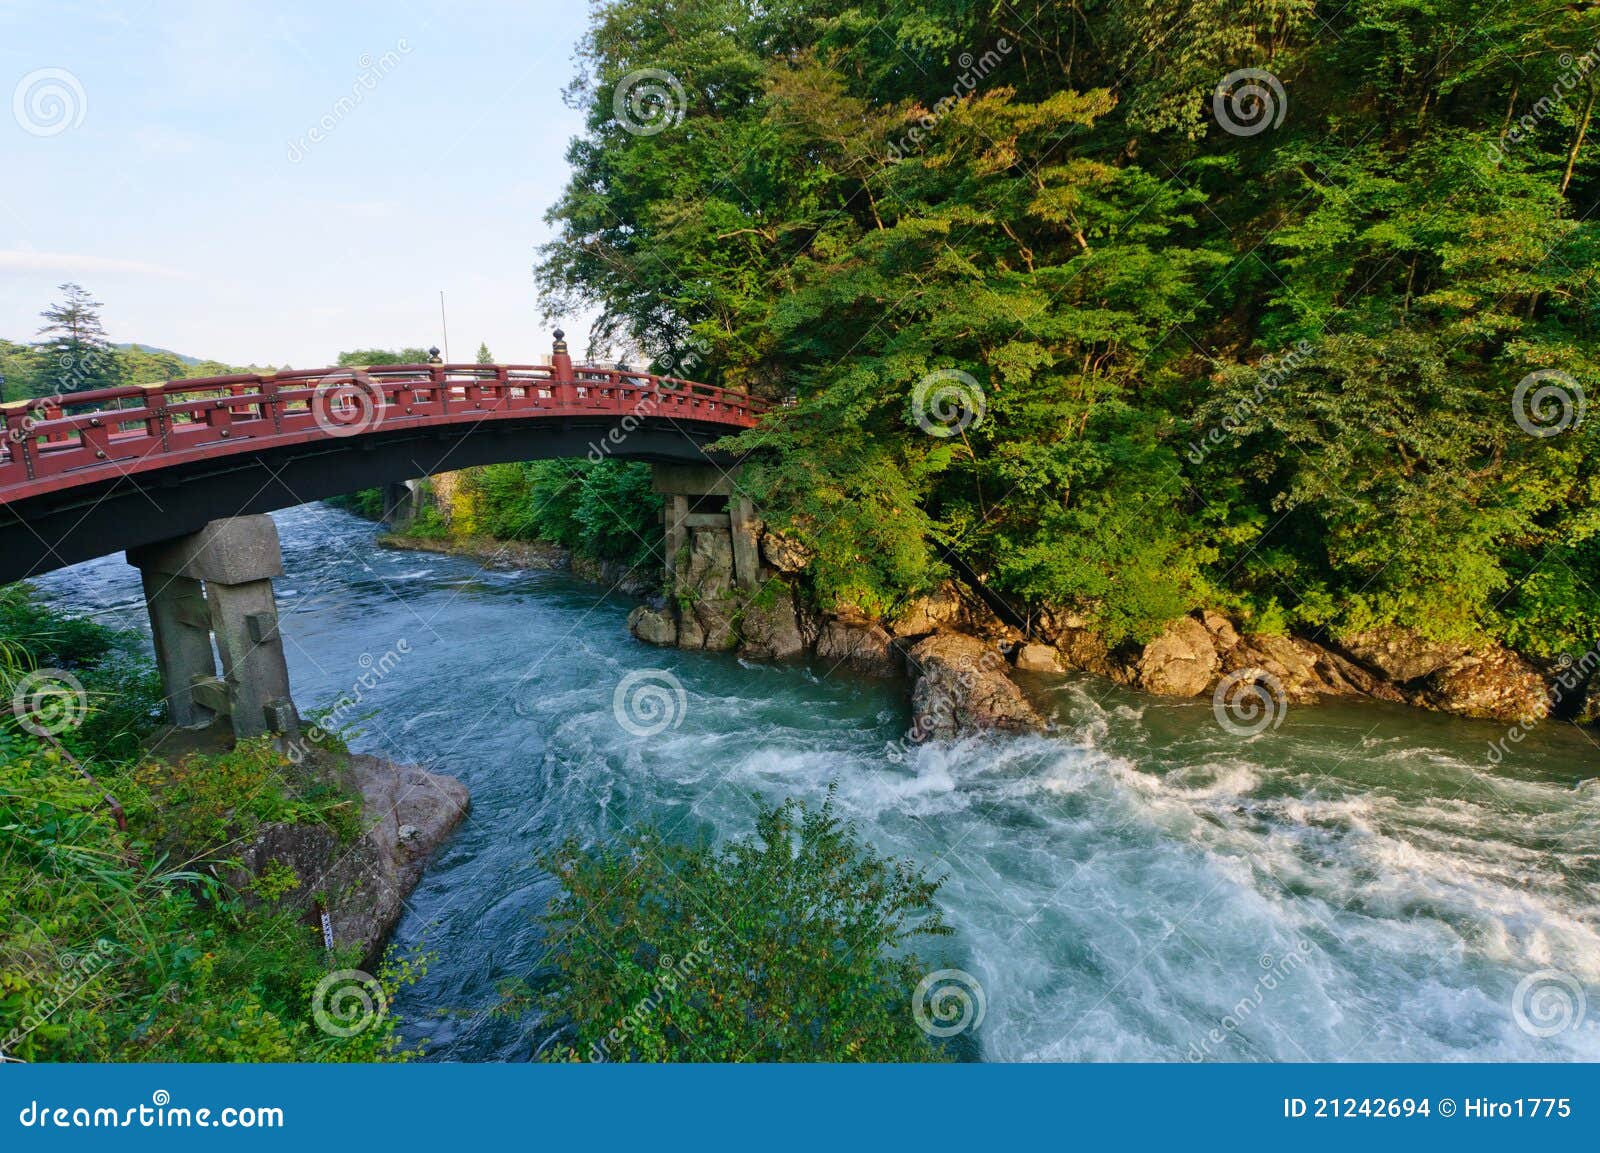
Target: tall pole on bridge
444	326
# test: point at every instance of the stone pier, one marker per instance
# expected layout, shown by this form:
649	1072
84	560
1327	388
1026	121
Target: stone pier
402	500
700	497
718	594
216	585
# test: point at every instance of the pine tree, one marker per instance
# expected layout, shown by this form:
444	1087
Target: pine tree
78	356
484	355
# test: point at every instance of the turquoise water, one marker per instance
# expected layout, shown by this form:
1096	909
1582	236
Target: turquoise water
1358	884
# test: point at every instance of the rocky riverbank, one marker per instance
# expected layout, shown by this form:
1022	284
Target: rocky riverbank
406	813
1204	653
958	686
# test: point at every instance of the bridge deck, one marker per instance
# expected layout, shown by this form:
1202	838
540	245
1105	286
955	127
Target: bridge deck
85	438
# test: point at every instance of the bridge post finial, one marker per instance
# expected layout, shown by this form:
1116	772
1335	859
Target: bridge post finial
560	362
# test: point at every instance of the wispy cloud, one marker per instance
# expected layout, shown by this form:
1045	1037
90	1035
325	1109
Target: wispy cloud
21	260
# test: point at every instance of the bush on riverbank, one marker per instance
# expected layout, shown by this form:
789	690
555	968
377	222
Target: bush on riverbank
785	946
121	944
604	510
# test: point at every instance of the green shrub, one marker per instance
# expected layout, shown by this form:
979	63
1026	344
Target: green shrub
785	946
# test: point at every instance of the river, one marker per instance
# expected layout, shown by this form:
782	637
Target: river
1357	884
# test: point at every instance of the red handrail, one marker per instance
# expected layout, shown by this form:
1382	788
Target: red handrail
76	438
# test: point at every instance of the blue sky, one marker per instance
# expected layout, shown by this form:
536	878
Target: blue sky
191	200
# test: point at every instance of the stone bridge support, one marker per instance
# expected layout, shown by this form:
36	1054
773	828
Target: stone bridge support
402	500
216	584
714	578
701	497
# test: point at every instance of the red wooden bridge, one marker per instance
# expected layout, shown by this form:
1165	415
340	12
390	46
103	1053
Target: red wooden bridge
85	474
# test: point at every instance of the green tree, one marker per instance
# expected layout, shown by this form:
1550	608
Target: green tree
363	356
484	355
1120	264
76	353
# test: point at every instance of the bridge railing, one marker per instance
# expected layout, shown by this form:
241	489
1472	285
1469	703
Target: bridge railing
122	428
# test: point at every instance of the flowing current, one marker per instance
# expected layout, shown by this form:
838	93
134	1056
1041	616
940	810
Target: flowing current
1359	883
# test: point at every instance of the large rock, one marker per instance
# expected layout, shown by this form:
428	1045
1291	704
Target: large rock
857	644
961	687
406	813
1399	655
1495	684
769	626
1181	662
705	590
1304	671
1038	659
653	626
941	609
1084	647
783	552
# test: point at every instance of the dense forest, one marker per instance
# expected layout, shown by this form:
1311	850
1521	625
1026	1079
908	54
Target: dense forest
1285	308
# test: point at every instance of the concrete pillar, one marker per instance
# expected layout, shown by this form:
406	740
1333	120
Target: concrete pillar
746	551
400	504
180	624
236	559
681	484
677	534
244	619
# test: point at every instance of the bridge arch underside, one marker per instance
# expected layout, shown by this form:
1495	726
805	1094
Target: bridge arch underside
47	532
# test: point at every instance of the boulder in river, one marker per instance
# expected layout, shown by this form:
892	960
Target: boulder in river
859	644
961	686
1496	684
1181	662
656	626
1033	658
930	613
769	625
1399	655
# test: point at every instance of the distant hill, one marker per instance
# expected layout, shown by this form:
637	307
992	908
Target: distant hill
164	351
